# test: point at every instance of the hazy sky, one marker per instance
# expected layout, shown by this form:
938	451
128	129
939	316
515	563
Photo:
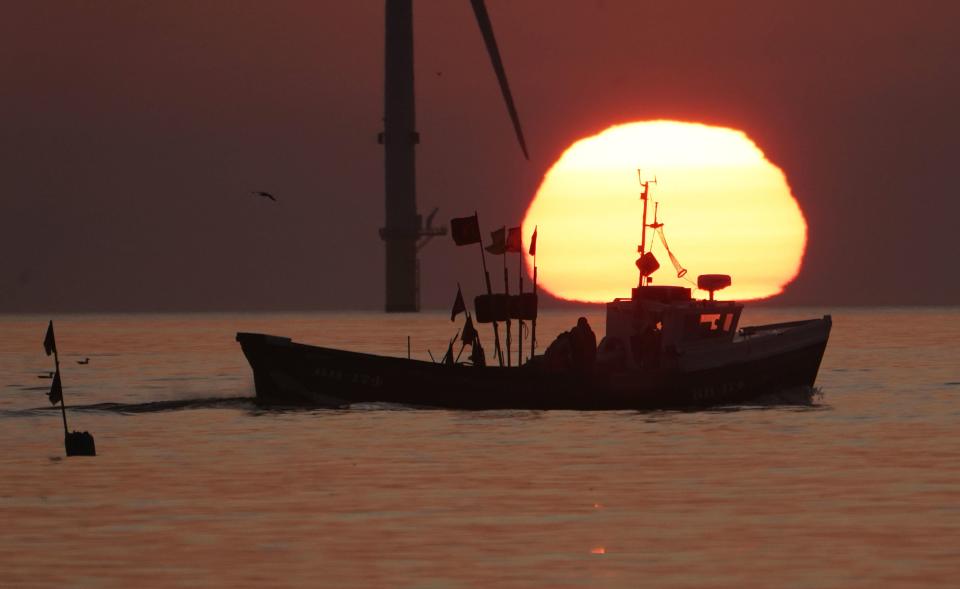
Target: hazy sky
132	133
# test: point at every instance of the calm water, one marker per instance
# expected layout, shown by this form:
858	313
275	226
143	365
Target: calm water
859	490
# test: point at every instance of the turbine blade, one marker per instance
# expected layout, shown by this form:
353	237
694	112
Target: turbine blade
483	20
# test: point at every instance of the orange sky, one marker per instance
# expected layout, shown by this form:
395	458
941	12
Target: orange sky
134	131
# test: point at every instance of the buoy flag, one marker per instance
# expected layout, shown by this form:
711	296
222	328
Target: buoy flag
56	390
49	343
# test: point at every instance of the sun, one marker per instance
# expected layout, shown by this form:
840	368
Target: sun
725	208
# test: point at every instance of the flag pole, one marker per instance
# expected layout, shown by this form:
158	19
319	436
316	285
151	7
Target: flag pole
506	291
533	330
463	344
63	403
520	321
486	276
76	443
449	354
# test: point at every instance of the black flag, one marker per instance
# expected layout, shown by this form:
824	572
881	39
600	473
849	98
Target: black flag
56	390
458	305
465	230
49	343
469	333
533	243
448	357
499	245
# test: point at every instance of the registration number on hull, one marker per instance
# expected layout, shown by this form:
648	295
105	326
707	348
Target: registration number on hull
711	392
357	378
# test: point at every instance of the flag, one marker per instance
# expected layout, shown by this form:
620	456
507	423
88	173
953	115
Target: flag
647	264
49	343
465	230
458	305
477	356
499	245
533	243
469	333
56	390
514	243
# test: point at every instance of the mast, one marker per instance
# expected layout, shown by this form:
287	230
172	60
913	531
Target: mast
643	232
644	196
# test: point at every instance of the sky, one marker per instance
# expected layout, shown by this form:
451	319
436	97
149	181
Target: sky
133	132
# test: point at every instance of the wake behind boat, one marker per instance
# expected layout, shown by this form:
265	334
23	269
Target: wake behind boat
662	349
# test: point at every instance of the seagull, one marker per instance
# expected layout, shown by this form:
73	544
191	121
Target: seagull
264	195
84	361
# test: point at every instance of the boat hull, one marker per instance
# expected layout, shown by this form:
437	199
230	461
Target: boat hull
287	373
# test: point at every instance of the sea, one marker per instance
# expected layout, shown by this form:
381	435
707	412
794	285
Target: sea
194	485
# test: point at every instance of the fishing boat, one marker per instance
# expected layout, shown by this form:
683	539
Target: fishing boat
662	349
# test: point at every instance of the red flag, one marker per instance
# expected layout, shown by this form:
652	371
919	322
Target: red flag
465	230
49	343
514	243
458	305
499	245
56	390
533	242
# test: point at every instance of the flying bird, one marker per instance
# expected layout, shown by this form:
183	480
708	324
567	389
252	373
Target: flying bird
264	195
84	361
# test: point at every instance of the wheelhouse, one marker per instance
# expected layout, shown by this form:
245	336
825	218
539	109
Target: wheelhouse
658	323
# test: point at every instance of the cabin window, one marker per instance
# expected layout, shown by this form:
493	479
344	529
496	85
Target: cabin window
727	322
709	324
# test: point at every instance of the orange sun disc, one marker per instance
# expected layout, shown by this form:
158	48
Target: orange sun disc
725	208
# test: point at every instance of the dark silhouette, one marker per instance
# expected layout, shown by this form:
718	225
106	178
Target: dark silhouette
75	443
574	350
477	356
404	232
662	349
84	361
584	345
264	195
80	444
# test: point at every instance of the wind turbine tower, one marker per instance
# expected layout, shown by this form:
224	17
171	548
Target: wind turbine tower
405	234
